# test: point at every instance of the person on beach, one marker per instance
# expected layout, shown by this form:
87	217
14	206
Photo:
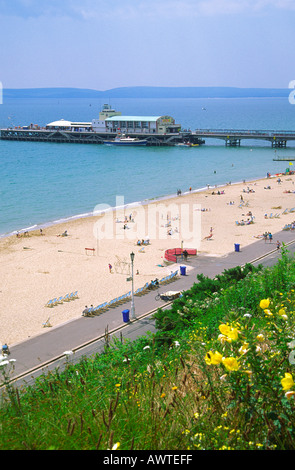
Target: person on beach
278	245
110	268
85	311
270	237
5	349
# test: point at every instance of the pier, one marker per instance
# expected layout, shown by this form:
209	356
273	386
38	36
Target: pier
231	137
91	137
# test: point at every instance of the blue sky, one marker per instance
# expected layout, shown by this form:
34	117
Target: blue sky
103	44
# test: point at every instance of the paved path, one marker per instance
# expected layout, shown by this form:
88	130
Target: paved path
43	348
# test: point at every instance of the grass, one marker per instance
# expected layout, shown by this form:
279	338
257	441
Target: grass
213	377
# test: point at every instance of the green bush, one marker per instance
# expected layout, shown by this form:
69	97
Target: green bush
217	375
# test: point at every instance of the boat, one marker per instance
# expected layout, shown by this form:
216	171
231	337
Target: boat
184	144
128	141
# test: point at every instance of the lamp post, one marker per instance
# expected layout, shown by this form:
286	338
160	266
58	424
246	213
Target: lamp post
132	287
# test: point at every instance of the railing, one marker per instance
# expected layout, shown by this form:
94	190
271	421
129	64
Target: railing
230	132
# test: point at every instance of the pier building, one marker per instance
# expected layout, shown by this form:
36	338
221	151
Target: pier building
99	125
142	124
63	125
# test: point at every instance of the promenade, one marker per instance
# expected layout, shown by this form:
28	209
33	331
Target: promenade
78	334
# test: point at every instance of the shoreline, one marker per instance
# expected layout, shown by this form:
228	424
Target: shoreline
144	202
37	268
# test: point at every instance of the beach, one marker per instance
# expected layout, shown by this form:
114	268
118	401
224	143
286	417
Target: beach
75	256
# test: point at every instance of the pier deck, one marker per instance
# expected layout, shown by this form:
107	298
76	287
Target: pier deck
90	137
231	137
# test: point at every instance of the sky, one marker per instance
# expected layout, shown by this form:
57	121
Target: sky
103	44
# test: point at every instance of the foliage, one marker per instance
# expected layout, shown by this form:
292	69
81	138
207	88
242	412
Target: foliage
217	375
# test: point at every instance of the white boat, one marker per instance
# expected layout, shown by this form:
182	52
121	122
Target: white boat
128	141
183	144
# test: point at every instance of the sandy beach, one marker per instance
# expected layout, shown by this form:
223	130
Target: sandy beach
37	267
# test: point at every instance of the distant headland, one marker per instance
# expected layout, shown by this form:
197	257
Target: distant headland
147	92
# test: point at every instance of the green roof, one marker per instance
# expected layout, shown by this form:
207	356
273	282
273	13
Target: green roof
134	118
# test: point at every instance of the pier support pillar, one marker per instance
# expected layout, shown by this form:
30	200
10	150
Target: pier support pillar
232	142
275	143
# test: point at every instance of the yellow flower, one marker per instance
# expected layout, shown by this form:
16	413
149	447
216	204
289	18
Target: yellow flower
213	358
224	329
264	303
260	338
231	333
287	381
243	349
174	388
230	363
282	311
163	395
268	312
116	446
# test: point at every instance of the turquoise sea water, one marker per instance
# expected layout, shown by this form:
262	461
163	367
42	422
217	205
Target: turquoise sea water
43	183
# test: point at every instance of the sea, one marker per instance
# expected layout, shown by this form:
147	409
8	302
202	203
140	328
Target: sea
46	183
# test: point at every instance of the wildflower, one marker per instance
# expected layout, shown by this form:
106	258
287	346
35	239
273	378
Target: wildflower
264	303
289	394
174	388
118	385
267	312
287	381
223	339
163	395
224	329
196	415
3	363
282	311
260	338
228	331
243	349
230	363
213	358
116	446
248	315
146	347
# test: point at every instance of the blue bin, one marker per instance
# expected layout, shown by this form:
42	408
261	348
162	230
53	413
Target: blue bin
183	270
125	316
237	247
